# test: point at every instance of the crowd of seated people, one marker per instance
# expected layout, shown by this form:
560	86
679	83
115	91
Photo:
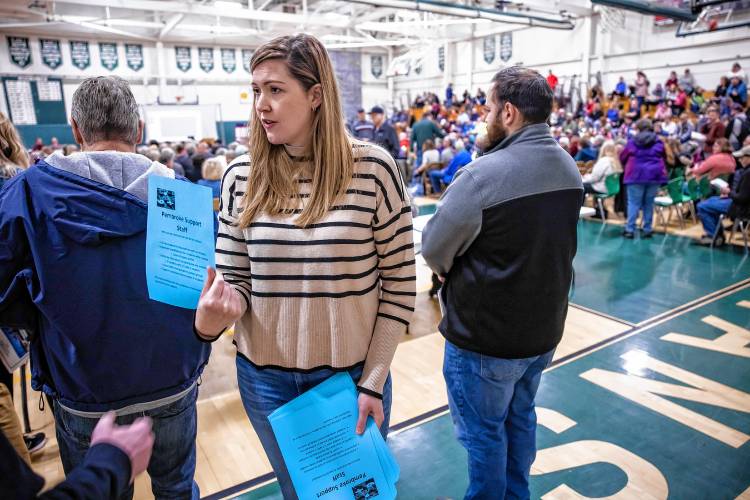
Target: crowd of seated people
435	137
701	133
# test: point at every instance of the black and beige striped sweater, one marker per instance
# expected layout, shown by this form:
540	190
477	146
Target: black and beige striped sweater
336	293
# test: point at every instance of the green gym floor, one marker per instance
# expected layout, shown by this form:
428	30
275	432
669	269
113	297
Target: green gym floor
659	411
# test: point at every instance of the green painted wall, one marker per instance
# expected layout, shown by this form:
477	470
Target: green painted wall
29	133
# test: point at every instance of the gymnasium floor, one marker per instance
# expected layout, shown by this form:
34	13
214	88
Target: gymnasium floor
648	395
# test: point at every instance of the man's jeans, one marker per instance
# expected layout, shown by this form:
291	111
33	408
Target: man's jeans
264	390
492	405
709	211
172	464
436	177
641	197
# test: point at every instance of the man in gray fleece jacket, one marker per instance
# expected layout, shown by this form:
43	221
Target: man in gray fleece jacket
503	240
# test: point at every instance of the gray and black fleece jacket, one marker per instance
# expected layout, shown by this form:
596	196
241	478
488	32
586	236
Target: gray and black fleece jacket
504	237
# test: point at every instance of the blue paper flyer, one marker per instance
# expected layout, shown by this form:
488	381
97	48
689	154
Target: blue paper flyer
179	240
325	457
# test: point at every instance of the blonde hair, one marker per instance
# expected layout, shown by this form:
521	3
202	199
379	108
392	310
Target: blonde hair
12	152
213	168
609	149
271	183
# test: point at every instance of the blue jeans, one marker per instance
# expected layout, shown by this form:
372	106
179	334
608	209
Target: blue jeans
709	211
492	405
436	177
641	197
264	390
172	464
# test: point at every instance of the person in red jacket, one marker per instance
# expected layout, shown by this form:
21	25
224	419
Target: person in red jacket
713	129
552	80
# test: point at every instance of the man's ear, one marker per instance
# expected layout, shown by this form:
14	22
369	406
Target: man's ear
140	132
509	114
76	133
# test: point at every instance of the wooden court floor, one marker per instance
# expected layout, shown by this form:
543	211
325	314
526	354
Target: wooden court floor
622	287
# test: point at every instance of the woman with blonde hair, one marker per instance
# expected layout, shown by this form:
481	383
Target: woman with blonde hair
211	171
315	256
13	155
13	158
607	163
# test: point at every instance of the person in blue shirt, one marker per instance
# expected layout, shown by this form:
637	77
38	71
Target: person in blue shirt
613	115
449	95
445	176
212	170
737	91
587	152
621	88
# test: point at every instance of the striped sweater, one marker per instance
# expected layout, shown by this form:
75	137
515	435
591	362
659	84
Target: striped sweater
334	294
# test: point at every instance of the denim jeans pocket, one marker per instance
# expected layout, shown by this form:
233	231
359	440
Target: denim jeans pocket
502	370
176	407
77	428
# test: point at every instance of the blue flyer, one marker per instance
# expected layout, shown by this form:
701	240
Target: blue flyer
179	240
324	456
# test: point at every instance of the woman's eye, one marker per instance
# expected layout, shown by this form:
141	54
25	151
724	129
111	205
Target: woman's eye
275	90
256	91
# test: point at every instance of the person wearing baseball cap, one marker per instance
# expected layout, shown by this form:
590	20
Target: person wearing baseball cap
384	134
733	201
362	128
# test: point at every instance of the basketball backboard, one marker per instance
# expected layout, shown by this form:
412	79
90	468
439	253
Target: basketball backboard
679	10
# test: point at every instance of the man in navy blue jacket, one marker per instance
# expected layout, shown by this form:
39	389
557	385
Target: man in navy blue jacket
72	270
117	455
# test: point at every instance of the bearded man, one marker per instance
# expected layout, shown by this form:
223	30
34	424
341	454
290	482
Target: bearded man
503	241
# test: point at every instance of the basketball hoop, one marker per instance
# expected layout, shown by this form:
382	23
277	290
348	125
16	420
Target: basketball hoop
611	19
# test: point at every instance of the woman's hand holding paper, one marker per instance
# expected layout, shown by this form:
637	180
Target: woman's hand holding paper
219	306
369	405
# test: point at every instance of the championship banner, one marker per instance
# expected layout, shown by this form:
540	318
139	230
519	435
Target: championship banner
79	54
228	60
247	55
441	58
51	53
489	49
20	53
376	66
134	56
206	58
506	46
182	56
108	55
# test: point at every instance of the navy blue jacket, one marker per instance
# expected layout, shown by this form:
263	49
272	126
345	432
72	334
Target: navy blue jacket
72	270
104	473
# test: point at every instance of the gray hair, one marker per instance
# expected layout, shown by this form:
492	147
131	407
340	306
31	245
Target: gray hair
166	155
104	109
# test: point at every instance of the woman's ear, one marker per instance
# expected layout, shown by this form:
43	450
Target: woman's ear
316	96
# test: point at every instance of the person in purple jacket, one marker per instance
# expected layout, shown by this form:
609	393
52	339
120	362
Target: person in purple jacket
645	171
